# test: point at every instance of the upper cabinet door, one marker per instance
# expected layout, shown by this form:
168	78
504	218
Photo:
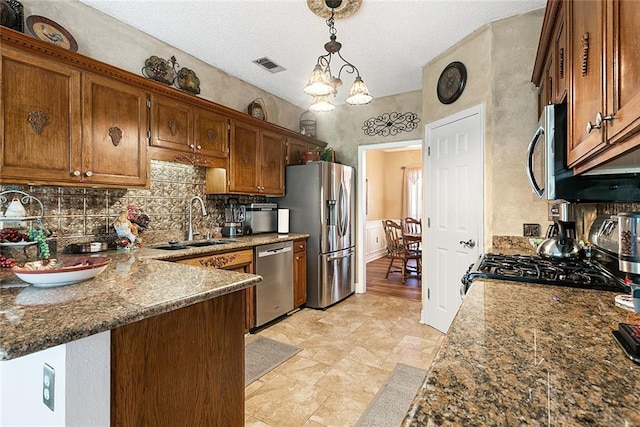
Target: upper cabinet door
623	61
295	150
587	97
40	119
243	163
211	133
272	165
114	117
171	124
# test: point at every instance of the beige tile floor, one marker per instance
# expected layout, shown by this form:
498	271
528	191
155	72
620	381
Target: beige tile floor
348	351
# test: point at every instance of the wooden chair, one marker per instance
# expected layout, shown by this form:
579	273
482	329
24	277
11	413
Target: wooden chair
412	225
397	250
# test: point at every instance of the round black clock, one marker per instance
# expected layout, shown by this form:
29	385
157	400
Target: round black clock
451	82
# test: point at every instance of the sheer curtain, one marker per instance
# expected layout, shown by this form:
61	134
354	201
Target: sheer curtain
412	192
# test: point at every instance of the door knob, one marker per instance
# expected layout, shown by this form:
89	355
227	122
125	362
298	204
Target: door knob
598	123
469	243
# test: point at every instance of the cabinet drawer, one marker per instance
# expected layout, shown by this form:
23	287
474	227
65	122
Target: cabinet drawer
225	261
300	246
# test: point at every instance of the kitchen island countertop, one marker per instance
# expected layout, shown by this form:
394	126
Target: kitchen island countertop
520	353
137	285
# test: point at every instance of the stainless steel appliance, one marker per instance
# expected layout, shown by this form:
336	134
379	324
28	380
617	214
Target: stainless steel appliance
261	218
234	216
598	271
274	295
320	199
563	244
551	179
629	244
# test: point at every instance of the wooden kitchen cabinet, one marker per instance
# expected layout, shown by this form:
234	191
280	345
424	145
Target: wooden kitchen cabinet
299	273
61	126
586	97
272	163
256	161
240	261
181	368
114	143
40	105
551	72
187	133
295	150
603	79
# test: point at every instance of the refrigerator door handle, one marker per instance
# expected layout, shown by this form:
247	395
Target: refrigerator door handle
343	212
337	257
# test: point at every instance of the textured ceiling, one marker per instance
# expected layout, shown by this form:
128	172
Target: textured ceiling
388	40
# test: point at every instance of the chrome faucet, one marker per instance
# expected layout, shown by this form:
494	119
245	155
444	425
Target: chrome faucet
204	213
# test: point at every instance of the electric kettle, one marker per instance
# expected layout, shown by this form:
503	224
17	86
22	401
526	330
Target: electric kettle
563	245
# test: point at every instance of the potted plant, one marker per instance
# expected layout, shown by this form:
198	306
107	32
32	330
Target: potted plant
326	154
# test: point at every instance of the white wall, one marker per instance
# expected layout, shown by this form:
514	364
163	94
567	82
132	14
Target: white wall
82	385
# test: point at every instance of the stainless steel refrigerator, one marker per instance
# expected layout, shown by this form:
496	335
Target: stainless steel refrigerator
320	197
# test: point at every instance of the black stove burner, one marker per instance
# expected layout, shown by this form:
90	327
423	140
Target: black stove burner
535	269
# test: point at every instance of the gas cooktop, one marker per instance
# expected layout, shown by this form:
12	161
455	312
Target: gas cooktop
535	269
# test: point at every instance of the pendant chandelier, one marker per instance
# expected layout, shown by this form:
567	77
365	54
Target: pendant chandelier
322	83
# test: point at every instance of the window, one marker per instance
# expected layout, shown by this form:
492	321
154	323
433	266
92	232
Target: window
412	192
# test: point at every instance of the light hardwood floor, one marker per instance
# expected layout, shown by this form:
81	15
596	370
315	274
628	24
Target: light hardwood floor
348	351
377	284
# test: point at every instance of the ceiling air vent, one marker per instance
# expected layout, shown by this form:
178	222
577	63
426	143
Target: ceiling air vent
269	65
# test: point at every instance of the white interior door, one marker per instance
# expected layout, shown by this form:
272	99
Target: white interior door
454	211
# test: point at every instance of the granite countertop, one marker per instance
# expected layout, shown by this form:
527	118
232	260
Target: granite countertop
521	353
136	285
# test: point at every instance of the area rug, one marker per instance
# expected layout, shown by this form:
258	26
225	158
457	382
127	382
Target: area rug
264	354
390	405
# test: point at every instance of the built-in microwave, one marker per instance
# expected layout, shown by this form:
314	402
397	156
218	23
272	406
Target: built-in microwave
550	178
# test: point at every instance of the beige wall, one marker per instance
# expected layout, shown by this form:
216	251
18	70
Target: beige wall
499	58
395	161
108	40
342	129
385	174
375	185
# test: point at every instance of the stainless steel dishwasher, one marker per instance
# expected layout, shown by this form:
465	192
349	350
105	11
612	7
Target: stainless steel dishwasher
274	295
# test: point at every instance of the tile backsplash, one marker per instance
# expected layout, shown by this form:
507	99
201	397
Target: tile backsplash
85	214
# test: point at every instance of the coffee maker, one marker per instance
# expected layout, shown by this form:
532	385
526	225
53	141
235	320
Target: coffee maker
559	210
629	244
234	216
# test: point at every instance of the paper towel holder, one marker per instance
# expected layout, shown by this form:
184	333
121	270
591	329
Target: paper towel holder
283	221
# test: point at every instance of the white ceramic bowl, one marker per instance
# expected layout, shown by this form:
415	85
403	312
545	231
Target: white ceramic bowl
63	272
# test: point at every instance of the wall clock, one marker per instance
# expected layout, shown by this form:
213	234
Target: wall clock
451	82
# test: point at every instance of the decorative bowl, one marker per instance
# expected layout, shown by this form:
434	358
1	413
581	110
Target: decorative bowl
61	272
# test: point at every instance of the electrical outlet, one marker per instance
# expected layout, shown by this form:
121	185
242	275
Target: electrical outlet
531	230
48	386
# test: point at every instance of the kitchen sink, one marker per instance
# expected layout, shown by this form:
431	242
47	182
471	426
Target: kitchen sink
174	246
202	243
170	247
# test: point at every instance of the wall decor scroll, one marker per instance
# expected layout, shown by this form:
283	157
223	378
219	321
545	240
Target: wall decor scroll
168	71
390	124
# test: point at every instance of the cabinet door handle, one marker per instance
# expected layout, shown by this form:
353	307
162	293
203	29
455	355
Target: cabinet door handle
598	121
76	173
585	54
88	173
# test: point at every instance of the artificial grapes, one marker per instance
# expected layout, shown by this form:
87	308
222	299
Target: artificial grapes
12	235
40	235
7	262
